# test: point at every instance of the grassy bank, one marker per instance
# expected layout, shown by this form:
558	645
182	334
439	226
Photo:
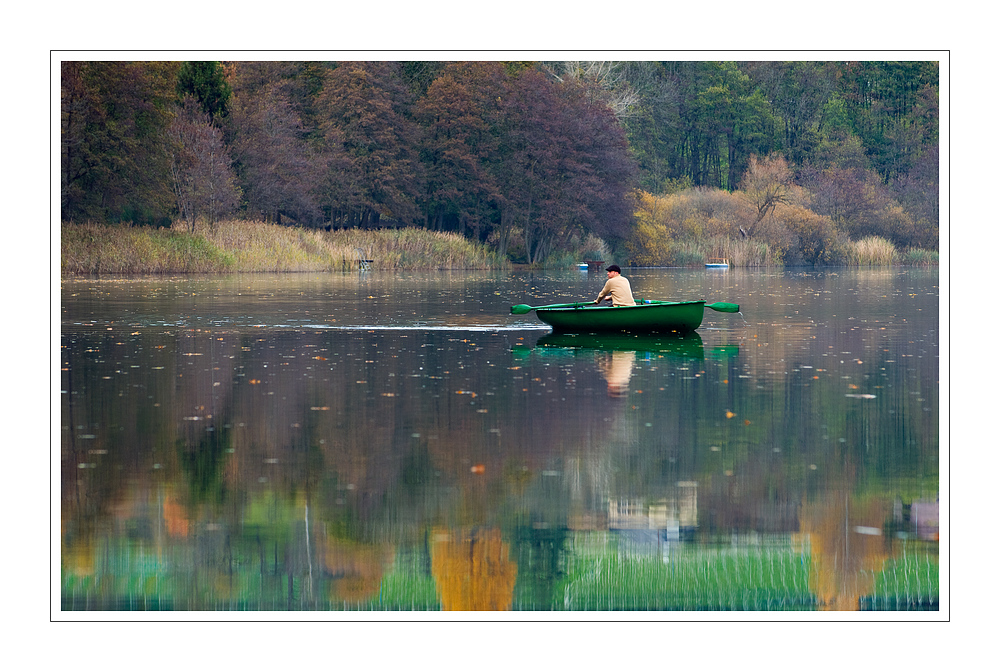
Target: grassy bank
256	247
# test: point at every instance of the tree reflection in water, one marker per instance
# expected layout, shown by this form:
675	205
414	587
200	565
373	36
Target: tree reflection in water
473	570
846	548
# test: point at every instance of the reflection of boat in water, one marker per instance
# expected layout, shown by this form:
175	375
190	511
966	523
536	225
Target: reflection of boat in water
687	345
680	345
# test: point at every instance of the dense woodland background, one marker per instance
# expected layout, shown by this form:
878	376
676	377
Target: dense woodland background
655	161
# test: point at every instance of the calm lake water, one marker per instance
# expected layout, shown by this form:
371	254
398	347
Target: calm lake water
399	441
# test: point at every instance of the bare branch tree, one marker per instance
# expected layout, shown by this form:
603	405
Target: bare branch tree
765	185
200	169
607	79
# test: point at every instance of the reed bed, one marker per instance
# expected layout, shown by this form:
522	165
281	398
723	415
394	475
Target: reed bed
917	257
871	251
258	247
744	253
100	249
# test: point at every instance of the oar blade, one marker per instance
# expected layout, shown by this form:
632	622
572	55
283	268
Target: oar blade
724	307
521	309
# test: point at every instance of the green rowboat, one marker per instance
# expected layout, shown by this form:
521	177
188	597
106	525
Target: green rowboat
644	317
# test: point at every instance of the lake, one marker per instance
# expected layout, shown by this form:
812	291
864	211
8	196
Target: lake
380	441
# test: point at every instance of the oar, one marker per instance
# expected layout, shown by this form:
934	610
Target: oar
724	307
523	309
720	306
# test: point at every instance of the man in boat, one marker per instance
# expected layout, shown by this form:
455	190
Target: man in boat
617	288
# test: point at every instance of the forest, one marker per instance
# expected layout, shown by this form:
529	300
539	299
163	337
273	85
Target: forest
653	163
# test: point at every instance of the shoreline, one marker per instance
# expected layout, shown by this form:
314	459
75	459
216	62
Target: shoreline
239	246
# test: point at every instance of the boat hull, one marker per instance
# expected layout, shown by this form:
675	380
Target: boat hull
660	317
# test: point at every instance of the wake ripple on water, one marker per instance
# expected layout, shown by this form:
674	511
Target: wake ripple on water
184	324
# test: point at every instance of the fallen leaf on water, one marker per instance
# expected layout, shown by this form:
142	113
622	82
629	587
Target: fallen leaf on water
746	422
730	414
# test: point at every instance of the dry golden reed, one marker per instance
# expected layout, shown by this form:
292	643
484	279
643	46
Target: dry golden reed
871	251
253	246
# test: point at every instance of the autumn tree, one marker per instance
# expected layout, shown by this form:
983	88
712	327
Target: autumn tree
593	171
554	159
276	170
201	174
765	186
76	109
113	122
453	149
490	86
364	126
811	238
527	156
918	192
649	241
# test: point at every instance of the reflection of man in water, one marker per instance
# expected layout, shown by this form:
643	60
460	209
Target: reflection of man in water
617	288
617	370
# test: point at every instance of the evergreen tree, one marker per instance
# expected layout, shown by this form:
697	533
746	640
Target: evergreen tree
206	81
